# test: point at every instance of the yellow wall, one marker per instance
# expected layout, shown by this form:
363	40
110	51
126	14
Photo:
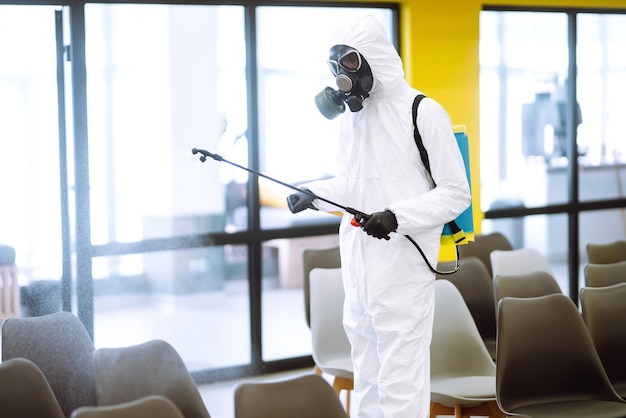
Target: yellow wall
439	46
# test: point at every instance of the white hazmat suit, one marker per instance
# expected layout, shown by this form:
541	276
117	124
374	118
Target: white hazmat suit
388	310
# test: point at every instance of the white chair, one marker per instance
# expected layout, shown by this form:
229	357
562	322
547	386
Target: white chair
476	286
462	371
331	348
523	260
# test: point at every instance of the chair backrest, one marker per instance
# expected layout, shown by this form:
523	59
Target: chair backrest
545	354
329	339
9	292
475	284
483	245
153	406
24	391
308	396
604	311
325	258
125	374
61	347
598	275
523	260
604	253
456	349
525	285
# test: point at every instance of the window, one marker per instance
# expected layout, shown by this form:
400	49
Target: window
527	149
161	244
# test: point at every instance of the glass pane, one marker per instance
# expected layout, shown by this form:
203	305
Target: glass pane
297	143
29	148
190	298
523	59
285	330
601	227
153	95
601	89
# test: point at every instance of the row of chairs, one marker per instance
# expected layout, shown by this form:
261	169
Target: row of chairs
482	290
523	273
606	263
50	369
82	382
603	304
523	283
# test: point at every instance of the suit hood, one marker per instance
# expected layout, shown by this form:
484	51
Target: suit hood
367	35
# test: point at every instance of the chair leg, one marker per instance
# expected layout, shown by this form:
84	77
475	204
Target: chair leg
489	409
317	370
343	383
437	409
458	411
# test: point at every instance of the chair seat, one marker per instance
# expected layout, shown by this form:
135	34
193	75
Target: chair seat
469	388
574	409
341	366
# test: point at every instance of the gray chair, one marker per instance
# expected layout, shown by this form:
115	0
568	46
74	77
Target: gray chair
152	406
606	252
547	365
524	285
476	286
604	311
61	347
462	372
598	275
127	374
308	396
483	245
24	391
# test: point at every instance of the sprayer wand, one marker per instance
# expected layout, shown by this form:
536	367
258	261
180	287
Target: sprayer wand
359	217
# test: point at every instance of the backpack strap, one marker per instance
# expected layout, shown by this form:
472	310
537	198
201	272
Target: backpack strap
418	136
457	233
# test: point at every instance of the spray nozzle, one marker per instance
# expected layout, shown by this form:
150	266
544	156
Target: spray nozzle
205	154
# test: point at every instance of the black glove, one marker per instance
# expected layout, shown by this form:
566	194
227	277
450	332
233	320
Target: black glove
380	224
300	201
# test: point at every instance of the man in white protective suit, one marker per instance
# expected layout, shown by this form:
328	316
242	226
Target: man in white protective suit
389	304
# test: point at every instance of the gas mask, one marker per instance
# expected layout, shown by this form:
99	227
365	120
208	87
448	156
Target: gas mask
354	79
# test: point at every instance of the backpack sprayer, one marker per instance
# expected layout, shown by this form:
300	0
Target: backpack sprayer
359	218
